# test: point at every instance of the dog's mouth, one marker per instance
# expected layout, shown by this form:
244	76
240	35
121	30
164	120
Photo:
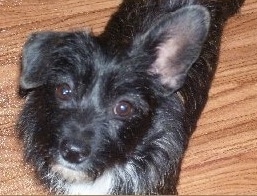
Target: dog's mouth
70	175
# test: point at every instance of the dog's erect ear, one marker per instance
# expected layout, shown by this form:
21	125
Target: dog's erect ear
175	41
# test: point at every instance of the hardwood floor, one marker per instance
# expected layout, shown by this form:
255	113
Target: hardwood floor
222	155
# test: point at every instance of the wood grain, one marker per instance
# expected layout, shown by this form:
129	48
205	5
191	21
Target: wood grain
221	158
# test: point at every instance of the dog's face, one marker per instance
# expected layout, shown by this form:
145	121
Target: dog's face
87	112
92	112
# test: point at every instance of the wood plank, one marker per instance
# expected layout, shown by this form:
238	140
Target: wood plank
221	158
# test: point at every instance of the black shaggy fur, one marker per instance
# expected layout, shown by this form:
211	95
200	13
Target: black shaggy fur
112	114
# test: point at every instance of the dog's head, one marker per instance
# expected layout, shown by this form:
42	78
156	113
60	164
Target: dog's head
86	111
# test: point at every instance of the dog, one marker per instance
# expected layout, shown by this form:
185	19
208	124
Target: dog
113	114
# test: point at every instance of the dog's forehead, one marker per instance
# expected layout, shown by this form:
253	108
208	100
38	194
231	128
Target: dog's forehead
76	48
79	56
76	54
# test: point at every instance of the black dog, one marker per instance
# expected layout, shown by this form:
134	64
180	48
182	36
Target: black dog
113	114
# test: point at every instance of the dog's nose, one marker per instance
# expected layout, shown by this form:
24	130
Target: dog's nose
74	151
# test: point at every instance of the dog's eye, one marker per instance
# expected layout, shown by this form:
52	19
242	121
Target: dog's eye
63	91
123	109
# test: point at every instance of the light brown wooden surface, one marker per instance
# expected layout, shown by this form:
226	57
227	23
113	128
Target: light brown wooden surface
222	155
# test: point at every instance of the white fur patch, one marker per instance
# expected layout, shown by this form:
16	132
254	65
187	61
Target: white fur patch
78	182
101	186
69	174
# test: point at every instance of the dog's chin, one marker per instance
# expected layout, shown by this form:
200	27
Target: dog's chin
70	175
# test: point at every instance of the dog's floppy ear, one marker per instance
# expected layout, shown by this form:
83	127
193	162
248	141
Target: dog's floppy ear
34	55
175	41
